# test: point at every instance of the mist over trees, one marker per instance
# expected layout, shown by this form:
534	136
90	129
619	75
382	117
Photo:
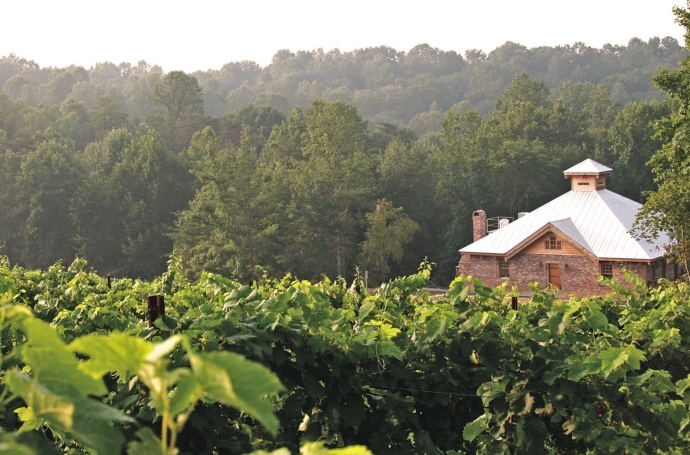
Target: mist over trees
413	88
317	164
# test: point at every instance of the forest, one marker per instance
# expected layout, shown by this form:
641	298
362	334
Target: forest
239	261
321	164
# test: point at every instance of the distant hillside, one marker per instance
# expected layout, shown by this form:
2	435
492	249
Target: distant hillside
414	88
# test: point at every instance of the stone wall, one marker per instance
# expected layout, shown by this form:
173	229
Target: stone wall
578	274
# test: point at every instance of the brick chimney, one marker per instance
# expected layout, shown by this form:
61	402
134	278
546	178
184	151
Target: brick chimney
479	224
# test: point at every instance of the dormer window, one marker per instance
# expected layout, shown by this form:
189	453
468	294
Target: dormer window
553	244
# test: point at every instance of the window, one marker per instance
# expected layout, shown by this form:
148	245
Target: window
553	244
651	276
607	269
582	183
503	269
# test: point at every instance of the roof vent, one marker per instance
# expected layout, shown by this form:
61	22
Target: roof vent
588	176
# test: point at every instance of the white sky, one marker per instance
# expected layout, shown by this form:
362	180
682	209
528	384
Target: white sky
203	34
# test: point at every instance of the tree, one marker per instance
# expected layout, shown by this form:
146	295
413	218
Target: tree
388	230
333	186
145	191
106	116
177	109
59	86
318	180
668	208
221	230
50	177
10	209
407	180
154	187
260	119
74	123
633	145
95	212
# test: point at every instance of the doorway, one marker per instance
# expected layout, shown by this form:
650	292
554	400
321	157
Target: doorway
554	275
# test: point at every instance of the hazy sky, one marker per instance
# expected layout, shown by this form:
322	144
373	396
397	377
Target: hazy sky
203	34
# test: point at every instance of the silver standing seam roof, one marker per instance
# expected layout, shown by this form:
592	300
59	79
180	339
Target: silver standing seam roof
599	222
588	167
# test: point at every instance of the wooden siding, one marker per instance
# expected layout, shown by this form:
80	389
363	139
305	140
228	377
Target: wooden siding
538	247
587	183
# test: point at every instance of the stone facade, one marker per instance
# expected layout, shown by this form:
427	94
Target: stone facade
578	275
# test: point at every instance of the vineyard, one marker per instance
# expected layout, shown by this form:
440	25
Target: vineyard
287	365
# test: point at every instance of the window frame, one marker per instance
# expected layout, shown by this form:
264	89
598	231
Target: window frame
552	243
603	265
503	267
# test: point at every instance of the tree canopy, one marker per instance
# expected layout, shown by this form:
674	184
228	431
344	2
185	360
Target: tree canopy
668	207
254	172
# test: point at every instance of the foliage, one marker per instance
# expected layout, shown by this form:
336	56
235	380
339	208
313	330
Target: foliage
221	231
389	229
61	392
414	88
396	370
135	169
177	109
667	208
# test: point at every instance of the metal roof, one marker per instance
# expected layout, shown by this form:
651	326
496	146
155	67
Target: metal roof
588	167
567	227
598	221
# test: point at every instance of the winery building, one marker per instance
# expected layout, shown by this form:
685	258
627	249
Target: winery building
567	243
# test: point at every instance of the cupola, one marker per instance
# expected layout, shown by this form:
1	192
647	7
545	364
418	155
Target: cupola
588	176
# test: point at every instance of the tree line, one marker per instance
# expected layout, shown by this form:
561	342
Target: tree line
414	88
321	191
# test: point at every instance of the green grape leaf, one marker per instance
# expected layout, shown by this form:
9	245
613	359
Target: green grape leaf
10	446
366	308
164	348
317	448
28	416
436	328
186	393
614	358
235	381
93	426
148	444
455	287
34	441
597	320
43	403
90	410
475	428
389	349
89	421
53	364
115	352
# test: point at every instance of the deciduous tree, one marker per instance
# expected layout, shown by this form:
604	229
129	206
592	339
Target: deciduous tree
177	109
388	230
668	208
